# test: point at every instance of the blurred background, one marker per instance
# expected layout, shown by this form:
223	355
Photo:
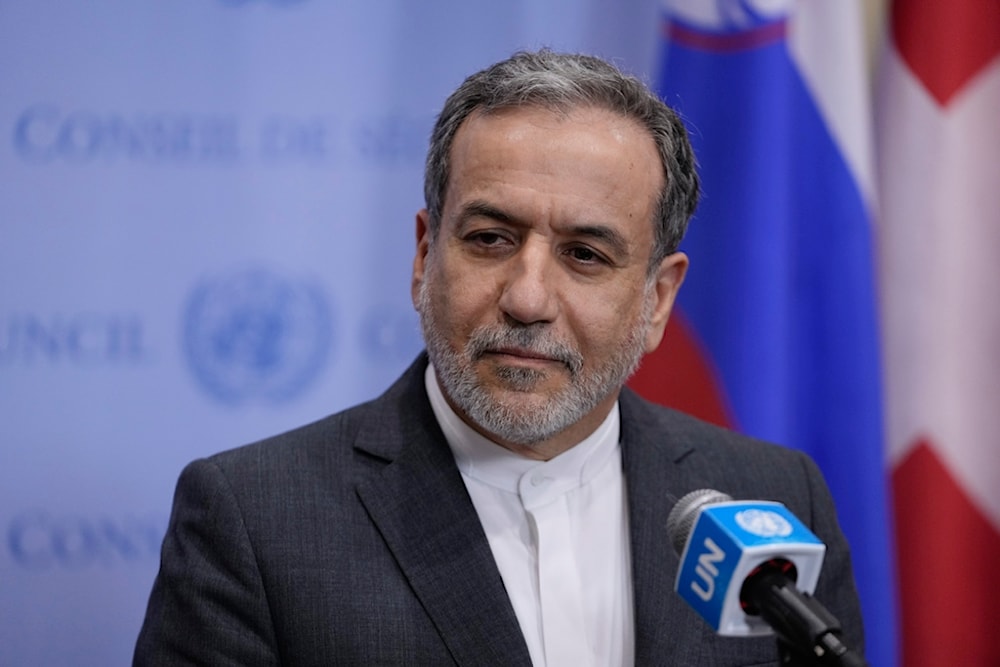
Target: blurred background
207	226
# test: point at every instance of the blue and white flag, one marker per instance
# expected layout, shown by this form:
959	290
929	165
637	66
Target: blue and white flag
780	297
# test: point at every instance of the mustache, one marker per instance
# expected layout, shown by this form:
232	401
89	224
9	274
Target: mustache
531	339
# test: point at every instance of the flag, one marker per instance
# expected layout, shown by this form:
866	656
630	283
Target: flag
779	302
938	126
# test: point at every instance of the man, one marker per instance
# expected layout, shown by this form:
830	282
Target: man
505	501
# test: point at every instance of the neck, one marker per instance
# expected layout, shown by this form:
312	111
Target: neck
551	447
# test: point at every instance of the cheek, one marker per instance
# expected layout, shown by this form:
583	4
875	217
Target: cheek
607	320
598	320
460	302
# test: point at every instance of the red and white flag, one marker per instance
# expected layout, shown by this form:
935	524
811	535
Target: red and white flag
939	176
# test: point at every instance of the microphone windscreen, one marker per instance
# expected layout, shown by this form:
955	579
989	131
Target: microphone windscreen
681	519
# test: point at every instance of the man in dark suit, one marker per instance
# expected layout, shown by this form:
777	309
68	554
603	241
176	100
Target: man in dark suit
505	501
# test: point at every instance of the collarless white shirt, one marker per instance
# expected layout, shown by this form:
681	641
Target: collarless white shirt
558	531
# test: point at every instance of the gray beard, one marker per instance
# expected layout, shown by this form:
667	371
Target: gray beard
520	423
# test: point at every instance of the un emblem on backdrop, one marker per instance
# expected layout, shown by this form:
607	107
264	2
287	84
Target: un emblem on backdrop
256	336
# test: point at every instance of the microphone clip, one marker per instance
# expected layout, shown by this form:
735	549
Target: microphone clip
805	629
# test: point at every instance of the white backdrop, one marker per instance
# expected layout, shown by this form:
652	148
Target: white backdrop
206	229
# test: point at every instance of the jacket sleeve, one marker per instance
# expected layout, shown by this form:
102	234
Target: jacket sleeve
208	604
836	589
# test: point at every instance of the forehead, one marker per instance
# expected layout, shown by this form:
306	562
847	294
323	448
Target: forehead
586	157
585	127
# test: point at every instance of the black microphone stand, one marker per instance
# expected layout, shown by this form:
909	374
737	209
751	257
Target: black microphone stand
802	624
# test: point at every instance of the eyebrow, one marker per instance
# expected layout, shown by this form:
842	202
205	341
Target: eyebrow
478	208
608	235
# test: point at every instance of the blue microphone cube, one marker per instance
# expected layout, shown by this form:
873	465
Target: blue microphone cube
729	540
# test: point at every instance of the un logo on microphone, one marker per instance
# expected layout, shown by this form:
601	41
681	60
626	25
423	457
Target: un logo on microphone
254	336
763	523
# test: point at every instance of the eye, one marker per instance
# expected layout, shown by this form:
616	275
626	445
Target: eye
487	238
586	255
488	242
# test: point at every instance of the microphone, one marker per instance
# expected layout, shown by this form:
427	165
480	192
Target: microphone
749	568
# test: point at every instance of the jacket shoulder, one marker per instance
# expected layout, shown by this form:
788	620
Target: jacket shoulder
376	430
709	456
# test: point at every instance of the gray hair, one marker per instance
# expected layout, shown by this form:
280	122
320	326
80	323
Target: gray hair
561	82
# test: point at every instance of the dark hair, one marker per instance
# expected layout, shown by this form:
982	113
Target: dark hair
561	82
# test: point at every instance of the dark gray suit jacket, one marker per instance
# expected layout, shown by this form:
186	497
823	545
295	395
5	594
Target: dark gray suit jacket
352	541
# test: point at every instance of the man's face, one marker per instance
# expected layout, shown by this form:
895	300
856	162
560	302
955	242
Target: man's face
535	298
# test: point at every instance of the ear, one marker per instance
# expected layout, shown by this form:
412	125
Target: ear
420	259
669	277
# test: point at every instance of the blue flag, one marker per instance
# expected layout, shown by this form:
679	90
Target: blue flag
781	290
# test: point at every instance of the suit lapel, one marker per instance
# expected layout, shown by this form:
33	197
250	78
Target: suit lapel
420	505
422	509
666	630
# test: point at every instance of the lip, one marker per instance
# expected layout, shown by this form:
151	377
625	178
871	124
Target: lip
524	356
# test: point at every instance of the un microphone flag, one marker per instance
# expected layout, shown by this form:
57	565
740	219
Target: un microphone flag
728	542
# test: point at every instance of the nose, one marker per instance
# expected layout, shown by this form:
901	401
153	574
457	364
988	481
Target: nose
529	293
